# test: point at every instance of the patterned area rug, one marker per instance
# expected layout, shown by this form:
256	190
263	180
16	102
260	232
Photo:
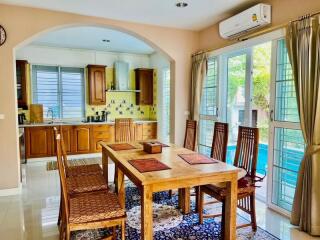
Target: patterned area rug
52	165
169	223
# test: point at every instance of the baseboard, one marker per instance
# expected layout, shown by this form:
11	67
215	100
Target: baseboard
10	191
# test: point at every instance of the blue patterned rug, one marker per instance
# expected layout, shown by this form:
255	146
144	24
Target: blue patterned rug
169	223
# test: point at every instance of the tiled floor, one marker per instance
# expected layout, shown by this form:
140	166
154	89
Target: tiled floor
33	214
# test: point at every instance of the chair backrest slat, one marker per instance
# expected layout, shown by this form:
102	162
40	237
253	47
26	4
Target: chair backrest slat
124	130
220	141
247	149
190	135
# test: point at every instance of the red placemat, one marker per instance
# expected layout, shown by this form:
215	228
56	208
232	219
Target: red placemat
162	144
121	146
196	158
148	165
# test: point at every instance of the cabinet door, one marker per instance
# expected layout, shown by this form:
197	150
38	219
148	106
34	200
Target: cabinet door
97	85
22	93
81	139
144	83
39	142
67	138
138	131
103	133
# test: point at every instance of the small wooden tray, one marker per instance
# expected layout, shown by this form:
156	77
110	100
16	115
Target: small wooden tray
152	147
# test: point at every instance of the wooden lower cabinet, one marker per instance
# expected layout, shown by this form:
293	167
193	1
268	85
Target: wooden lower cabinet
138	131
39	142
79	139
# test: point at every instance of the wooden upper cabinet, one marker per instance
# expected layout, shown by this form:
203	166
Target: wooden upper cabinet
82	139
22	92
39	142
144	83
97	84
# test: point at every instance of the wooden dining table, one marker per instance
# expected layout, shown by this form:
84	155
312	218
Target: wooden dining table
181	175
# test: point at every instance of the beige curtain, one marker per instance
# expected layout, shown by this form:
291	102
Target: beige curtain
304	51
198	75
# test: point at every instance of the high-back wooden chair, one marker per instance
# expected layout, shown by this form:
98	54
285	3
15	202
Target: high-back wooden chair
219	141
190	135
124	130
87	211
245	157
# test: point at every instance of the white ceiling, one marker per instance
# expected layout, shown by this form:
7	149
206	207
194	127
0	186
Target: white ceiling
198	15
91	38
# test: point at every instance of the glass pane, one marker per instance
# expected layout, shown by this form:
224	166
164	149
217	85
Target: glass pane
286	103
236	95
209	92
206	134
72	93
287	155
166	106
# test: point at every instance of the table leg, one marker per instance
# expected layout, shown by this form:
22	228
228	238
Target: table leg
230	212
184	199
146	213
120	188
105	164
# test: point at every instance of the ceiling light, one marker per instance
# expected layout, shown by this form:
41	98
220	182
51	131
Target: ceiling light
106	40
181	4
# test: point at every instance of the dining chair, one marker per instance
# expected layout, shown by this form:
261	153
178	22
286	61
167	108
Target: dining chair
190	135
87	210
79	170
218	151
245	157
124	131
189	139
91	182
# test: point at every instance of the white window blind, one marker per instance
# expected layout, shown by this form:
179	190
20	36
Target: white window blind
60	89
166	105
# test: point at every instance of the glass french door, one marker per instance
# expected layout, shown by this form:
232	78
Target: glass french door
286	144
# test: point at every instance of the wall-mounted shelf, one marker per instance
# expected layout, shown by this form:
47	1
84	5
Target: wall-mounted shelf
134	91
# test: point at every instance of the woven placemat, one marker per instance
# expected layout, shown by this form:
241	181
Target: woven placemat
121	146
148	165
196	158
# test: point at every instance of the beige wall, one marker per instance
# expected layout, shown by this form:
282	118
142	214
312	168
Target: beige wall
22	24
282	12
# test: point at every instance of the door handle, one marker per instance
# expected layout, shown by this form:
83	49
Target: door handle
271	115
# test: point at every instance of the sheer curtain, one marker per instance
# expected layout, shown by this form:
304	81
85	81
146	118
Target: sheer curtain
303	42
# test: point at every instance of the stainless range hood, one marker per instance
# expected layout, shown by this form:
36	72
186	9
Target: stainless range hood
121	75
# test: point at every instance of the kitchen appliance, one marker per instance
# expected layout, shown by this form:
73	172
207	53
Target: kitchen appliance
21	118
121	75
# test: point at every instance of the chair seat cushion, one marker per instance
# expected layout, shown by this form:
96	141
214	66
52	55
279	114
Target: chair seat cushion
95	207
80	170
89	183
245	186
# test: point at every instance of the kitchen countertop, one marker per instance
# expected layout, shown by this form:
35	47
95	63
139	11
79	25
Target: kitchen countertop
72	123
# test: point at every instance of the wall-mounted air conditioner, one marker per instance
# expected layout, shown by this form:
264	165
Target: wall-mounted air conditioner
246	21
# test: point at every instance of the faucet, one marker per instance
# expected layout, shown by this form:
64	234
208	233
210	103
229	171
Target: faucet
50	111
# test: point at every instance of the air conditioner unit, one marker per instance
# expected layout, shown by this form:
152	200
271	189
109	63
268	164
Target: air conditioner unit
246	21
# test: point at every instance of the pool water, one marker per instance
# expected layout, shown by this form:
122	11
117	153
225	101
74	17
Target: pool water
262	164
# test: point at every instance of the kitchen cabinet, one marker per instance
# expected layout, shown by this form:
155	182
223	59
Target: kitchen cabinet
22	92
39	142
97	84
105	133
81	139
138	131
144	83
149	131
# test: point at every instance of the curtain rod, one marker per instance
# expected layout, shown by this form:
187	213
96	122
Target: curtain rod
255	34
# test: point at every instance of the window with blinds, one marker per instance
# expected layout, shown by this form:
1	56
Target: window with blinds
166	105
60	89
